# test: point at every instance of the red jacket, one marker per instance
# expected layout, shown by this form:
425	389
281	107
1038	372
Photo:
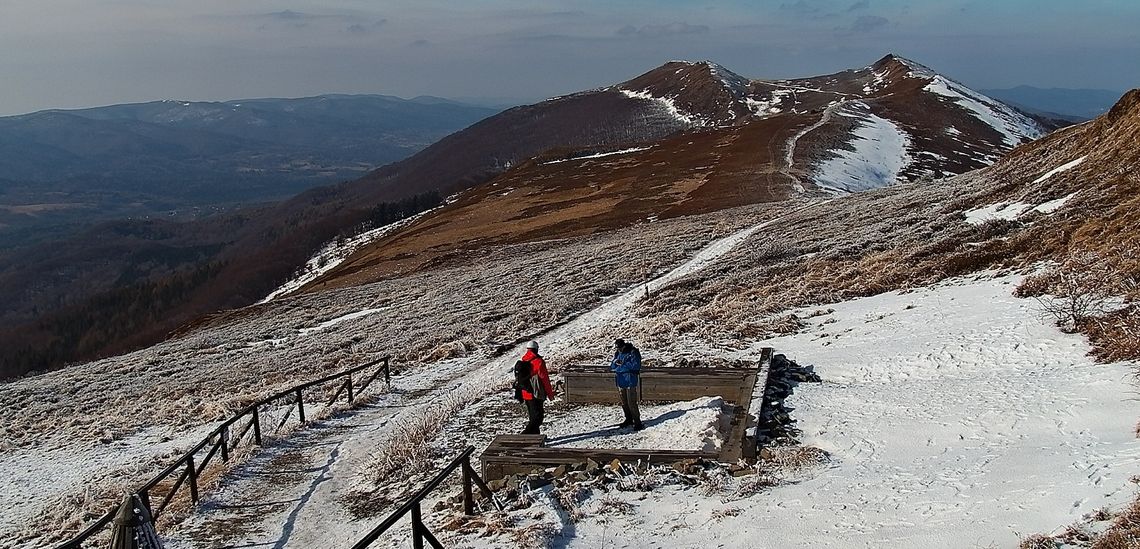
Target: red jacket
539	368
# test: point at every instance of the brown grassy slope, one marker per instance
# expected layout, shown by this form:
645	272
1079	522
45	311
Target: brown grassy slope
688	174
913	235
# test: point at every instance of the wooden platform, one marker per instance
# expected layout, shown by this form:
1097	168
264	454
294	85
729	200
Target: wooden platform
520	454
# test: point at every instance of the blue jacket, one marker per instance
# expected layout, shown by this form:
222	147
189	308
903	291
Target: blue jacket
627	366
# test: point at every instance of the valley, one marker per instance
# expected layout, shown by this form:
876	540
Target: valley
899	232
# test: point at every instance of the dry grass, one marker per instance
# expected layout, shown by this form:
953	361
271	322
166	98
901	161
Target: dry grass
1125	530
612	505
1037	541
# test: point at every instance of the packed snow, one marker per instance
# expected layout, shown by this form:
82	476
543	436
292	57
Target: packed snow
1014	210
1062	168
692	425
1007	211
955	415
1013	126
1054	205
880	154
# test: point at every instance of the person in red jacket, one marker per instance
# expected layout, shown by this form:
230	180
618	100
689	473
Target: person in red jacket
538	389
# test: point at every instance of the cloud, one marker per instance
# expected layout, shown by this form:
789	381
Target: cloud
361	28
671	29
801	7
289	15
860	5
869	23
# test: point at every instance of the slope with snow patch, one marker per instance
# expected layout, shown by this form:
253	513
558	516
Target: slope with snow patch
880	153
1014	127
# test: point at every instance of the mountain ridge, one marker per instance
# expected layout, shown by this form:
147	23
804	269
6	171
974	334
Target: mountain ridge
759	141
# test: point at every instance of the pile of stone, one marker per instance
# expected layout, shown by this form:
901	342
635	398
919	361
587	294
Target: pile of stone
612	475
775	425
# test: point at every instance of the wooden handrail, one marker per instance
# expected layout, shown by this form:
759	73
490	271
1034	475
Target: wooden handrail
420	532
186	461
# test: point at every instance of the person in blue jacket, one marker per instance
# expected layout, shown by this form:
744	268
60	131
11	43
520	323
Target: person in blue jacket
627	369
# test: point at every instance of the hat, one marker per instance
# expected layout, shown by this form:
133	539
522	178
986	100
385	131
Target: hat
532	345
619	343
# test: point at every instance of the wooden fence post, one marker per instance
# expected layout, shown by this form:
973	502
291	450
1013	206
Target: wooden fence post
256	425
468	497
349	388
417	528
222	435
300	405
193	478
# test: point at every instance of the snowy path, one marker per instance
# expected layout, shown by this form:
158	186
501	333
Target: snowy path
304	509
956	417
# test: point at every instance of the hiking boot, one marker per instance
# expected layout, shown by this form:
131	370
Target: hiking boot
625	423
638	426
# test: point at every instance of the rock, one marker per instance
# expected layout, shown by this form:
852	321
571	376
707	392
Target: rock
496	485
687	466
440	506
536	482
767	454
615	465
559	471
743	472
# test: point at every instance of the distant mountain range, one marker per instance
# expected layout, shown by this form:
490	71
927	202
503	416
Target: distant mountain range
1069	104
172	158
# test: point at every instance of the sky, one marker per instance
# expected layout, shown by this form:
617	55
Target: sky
78	53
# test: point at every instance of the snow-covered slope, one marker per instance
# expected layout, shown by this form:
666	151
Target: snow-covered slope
1015	127
880	153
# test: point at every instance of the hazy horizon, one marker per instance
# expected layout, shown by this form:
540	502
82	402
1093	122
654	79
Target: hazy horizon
78	54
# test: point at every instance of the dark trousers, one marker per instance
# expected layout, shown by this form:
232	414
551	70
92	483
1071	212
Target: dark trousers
629	398
534	413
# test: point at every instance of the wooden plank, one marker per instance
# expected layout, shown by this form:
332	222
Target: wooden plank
518	441
498	463
598	387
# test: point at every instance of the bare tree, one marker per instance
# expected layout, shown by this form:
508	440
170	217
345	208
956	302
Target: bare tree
1081	289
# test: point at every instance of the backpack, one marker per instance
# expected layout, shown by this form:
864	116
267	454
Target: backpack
522	379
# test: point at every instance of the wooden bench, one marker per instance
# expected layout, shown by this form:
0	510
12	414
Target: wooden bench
520	454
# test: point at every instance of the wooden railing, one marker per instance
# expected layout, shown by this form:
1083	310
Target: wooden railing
187	470
420	532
